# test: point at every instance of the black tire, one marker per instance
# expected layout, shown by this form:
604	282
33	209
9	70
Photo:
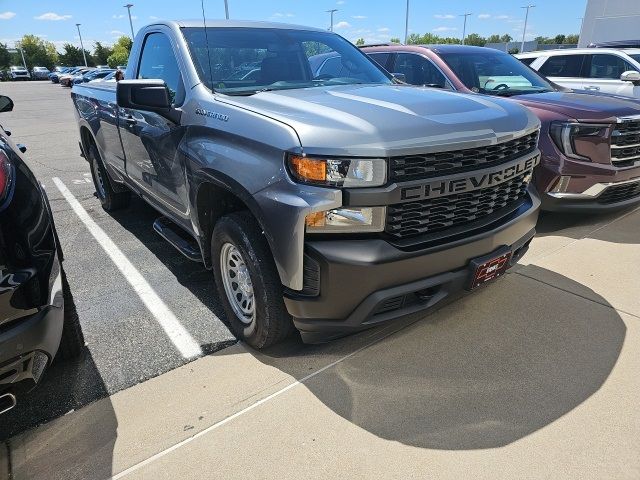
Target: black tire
271	323
72	341
109	198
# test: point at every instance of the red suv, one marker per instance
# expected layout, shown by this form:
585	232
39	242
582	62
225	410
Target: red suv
590	143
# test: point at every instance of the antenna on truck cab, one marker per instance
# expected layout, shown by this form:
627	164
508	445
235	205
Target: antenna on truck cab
206	39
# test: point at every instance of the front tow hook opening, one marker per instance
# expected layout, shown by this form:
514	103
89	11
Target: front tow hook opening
7	402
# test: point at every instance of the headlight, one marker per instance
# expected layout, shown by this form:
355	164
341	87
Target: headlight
339	172
347	220
565	134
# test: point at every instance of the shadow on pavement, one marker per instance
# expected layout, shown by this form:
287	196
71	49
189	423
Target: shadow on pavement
579	225
480	373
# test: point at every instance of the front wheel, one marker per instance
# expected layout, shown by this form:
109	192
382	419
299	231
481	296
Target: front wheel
247	281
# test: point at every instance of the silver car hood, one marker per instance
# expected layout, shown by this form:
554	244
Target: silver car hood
389	120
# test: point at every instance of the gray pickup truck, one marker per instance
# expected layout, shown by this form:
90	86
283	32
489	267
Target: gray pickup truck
331	203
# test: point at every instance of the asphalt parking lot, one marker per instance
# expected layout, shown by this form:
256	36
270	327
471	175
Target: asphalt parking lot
535	376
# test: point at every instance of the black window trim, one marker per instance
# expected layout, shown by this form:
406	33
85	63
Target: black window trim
581	70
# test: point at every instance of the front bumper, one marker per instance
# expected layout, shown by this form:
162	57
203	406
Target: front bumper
366	282
27	346
598	197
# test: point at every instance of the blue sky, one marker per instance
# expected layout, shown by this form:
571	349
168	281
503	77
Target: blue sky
374	20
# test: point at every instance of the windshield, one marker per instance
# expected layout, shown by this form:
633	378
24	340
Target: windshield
495	73
243	61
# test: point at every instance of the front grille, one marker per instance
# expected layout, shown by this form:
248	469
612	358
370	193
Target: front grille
619	193
416	167
437	214
625	144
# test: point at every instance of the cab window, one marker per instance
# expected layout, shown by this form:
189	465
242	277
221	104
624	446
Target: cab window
607	66
563	66
419	71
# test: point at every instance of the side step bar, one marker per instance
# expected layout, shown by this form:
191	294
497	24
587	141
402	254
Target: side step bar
177	237
7	402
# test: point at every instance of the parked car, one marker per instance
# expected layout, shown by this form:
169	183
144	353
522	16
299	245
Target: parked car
36	319
40	73
107	78
67	79
55	76
19	73
602	70
92	75
332	203
590	143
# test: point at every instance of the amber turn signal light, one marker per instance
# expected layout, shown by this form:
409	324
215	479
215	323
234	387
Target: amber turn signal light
309	169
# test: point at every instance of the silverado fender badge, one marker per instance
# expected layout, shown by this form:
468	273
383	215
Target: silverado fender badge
216	115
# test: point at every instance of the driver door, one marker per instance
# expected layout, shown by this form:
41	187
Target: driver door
151	142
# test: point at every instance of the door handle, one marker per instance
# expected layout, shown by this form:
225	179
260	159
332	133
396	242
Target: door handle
591	87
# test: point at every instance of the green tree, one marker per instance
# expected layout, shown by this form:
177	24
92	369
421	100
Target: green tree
559	39
121	49
5	57
513	51
506	38
101	53
493	38
72	56
360	42
38	52
395	40
475	39
572	39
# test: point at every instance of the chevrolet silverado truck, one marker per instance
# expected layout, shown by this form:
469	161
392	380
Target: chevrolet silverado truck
331	203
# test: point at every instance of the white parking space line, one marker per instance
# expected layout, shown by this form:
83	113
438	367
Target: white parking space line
182	340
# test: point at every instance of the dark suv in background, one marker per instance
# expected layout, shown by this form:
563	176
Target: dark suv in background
590	143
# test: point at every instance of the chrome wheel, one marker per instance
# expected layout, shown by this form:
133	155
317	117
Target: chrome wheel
237	283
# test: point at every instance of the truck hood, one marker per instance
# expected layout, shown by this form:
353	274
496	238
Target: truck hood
582	106
389	120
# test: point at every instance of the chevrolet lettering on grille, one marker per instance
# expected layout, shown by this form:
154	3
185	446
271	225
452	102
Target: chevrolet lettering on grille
439	188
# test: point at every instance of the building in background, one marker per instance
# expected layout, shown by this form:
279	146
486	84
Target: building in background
610	21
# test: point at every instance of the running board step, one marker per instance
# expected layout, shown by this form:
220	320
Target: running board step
177	237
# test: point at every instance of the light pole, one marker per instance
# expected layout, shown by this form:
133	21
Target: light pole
128	7
464	27
84	55
524	31
332	11
406	24
19	47
226	9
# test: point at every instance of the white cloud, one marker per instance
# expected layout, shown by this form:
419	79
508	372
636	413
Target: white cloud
118	17
448	16
445	29
359	17
383	29
117	33
342	24
153	17
282	15
484	16
501	17
52	16
340	2
7	15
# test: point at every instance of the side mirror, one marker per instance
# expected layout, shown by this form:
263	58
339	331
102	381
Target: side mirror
149	95
631	76
6	104
401	77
